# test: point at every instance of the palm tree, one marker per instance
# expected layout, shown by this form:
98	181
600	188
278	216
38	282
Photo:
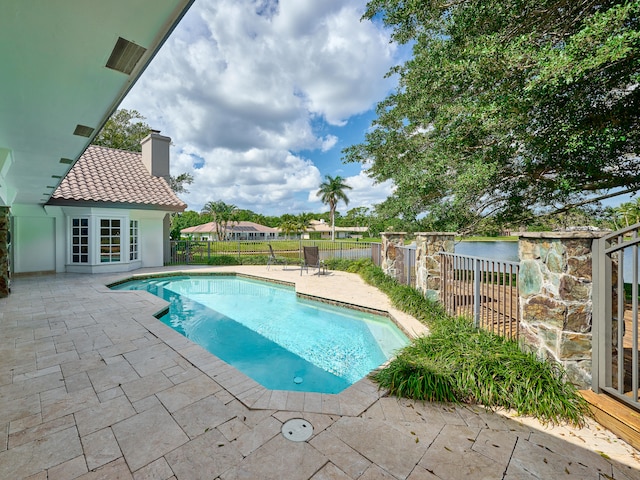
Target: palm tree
331	192
303	220
629	212
222	214
288	227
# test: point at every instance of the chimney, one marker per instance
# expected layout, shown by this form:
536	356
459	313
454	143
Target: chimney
155	154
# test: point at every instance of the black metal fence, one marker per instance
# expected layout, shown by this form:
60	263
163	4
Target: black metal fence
205	252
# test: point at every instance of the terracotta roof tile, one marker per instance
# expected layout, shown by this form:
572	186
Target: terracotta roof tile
236	228
115	176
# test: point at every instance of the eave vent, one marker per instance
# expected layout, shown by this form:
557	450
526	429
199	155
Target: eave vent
125	56
66	161
83	131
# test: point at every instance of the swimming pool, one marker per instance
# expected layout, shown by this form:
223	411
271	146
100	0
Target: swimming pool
282	341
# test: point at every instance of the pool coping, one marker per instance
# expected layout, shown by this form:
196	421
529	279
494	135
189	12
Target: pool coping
337	303
352	401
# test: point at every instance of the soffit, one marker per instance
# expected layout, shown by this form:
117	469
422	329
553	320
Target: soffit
53	77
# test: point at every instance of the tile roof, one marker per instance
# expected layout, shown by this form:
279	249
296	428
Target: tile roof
117	178
238	227
320	226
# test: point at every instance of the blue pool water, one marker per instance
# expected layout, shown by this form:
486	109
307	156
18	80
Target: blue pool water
280	340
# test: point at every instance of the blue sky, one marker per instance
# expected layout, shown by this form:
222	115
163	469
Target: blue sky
260	97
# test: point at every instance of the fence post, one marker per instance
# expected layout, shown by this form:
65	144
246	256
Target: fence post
408	264
392	256
477	301
555	290
428	260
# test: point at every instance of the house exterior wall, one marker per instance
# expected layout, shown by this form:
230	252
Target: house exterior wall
34	239
152	237
42	239
212	236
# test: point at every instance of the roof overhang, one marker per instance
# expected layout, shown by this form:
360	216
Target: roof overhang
57	202
57	90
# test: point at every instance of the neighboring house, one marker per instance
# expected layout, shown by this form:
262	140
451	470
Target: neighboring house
110	213
324	228
235	231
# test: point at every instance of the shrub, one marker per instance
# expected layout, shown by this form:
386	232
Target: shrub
223	260
254	259
458	363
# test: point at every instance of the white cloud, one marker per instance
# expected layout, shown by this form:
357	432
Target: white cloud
265	181
241	84
329	142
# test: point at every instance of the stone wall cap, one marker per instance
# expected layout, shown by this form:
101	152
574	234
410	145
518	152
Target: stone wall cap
437	233
568	235
393	233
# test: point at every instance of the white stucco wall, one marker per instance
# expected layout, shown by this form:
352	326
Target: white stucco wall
33	239
151	237
41	239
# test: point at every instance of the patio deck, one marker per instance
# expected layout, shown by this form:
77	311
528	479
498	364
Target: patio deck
92	386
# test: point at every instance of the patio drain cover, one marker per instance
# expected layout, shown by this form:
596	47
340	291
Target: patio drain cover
297	430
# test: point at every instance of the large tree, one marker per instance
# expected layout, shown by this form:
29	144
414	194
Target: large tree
331	191
507	109
124	130
178	183
180	221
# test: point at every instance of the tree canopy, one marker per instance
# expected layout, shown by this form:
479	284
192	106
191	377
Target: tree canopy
124	130
224	215
295	224
177	183
507	108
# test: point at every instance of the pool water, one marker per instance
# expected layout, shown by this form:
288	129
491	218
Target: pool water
266	331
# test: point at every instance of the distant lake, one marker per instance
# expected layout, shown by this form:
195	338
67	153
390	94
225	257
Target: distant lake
508	251
499	250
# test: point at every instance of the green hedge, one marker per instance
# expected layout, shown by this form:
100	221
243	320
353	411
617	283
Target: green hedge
459	363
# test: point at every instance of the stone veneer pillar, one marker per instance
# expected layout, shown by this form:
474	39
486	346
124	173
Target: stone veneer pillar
555	289
4	252
428	260
392	256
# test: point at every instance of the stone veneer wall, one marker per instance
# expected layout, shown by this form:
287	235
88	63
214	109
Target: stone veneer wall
428	259
555	289
4	252
392	256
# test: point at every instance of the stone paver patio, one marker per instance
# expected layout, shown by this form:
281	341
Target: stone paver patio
92	386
